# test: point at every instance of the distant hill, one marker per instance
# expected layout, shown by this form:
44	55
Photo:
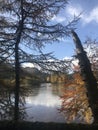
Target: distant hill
29	75
31	70
6	70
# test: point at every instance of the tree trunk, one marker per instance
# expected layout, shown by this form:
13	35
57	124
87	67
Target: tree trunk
88	77
17	64
17	83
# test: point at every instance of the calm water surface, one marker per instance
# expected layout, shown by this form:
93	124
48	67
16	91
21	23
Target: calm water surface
42	105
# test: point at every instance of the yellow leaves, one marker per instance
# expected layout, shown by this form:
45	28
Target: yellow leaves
88	116
78	79
74	100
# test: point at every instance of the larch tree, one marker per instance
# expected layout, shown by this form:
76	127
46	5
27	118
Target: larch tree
75	105
28	22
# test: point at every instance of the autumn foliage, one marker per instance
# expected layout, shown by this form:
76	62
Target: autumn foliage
74	101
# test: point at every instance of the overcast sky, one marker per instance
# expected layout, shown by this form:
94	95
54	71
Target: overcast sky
86	27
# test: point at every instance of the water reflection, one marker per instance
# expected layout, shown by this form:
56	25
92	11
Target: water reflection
57	89
37	103
6	104
44	106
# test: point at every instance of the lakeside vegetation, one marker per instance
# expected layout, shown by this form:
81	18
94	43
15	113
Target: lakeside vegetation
7	76
28	76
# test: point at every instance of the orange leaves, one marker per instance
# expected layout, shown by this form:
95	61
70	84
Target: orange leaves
74	100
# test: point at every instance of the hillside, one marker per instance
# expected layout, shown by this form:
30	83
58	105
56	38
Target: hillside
27	75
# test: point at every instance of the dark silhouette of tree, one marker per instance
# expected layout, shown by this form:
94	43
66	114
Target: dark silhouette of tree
28	23
88	76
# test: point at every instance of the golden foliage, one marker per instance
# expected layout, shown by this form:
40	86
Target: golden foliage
75	102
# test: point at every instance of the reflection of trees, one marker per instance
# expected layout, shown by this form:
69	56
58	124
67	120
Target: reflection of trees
30	90
7	102
57	89
35	90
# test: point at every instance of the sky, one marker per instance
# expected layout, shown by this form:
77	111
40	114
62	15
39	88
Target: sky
87	26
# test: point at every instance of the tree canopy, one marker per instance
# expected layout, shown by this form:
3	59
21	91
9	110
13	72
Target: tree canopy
28	23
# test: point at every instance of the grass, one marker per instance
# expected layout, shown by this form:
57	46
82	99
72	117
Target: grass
10	125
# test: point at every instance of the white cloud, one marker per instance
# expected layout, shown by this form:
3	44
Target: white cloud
86	17
92	16
58	19
73	10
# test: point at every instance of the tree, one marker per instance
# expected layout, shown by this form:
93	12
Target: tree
27	22
91	47
88	77
75	105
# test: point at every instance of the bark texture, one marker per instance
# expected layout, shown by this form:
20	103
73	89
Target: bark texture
88	77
